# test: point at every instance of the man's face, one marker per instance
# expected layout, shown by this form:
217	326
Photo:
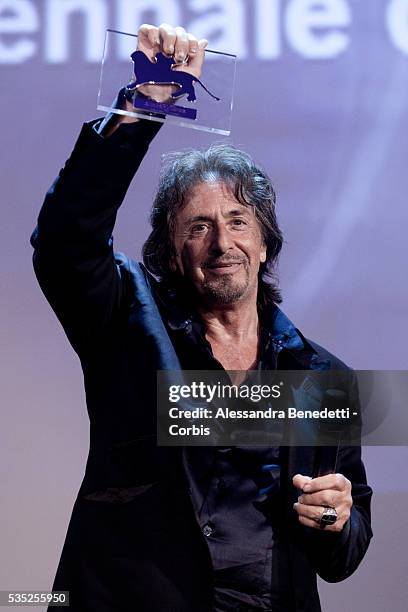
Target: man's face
219	245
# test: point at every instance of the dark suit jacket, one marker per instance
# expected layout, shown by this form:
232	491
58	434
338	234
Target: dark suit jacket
133	541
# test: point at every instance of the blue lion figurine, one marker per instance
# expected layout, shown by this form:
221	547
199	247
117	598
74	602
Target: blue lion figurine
160	73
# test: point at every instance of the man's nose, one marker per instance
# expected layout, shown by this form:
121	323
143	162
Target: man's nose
221	239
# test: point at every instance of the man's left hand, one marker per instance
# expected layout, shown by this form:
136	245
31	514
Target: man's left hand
333	491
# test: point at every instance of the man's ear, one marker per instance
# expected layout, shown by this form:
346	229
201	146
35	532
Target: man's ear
175	264
262	254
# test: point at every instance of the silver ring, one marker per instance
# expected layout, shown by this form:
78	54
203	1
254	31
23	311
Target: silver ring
183	62
327	517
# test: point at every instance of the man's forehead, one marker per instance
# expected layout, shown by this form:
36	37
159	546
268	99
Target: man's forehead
211	197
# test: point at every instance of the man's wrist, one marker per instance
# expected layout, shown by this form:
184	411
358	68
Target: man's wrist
124	101
113	120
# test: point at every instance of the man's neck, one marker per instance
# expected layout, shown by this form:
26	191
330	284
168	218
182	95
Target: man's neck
236	322
233	333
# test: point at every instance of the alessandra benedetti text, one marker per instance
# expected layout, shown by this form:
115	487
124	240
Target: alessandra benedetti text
269	413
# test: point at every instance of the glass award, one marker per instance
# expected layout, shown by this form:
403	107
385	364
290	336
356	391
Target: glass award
201	102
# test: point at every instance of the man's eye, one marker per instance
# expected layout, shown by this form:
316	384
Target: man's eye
238	223
198	229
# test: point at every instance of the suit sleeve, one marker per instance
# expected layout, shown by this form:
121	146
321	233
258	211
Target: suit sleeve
337	555
73	247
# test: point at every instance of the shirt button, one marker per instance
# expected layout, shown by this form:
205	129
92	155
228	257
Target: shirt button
221	484
207	530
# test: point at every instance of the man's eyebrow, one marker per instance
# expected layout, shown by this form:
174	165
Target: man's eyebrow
231	213
197	218
238	212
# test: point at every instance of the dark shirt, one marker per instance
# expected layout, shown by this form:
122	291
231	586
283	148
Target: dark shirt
235	491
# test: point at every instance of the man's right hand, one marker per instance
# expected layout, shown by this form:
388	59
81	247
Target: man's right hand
187	51
175	42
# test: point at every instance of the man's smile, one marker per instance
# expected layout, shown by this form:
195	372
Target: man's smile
227	267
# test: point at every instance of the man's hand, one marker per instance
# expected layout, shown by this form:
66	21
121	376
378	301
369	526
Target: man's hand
187	51
333	490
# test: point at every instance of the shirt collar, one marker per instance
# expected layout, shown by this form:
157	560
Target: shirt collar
281	329
283	332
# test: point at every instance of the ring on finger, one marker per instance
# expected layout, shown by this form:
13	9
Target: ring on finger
327	517
180	62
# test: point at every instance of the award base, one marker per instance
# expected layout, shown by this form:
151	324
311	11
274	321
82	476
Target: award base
151	106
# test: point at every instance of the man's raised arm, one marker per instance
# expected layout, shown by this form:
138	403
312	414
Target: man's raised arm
73	256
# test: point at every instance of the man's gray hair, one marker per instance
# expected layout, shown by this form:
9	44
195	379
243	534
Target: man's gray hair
180	173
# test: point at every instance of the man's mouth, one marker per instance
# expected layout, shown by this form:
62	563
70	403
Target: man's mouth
224	267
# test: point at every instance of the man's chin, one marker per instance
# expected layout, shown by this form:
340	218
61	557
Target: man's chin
223	293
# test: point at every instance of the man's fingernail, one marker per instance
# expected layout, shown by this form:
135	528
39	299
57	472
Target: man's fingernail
170	50
306	488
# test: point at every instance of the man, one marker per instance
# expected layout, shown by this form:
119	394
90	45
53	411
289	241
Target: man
185	529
